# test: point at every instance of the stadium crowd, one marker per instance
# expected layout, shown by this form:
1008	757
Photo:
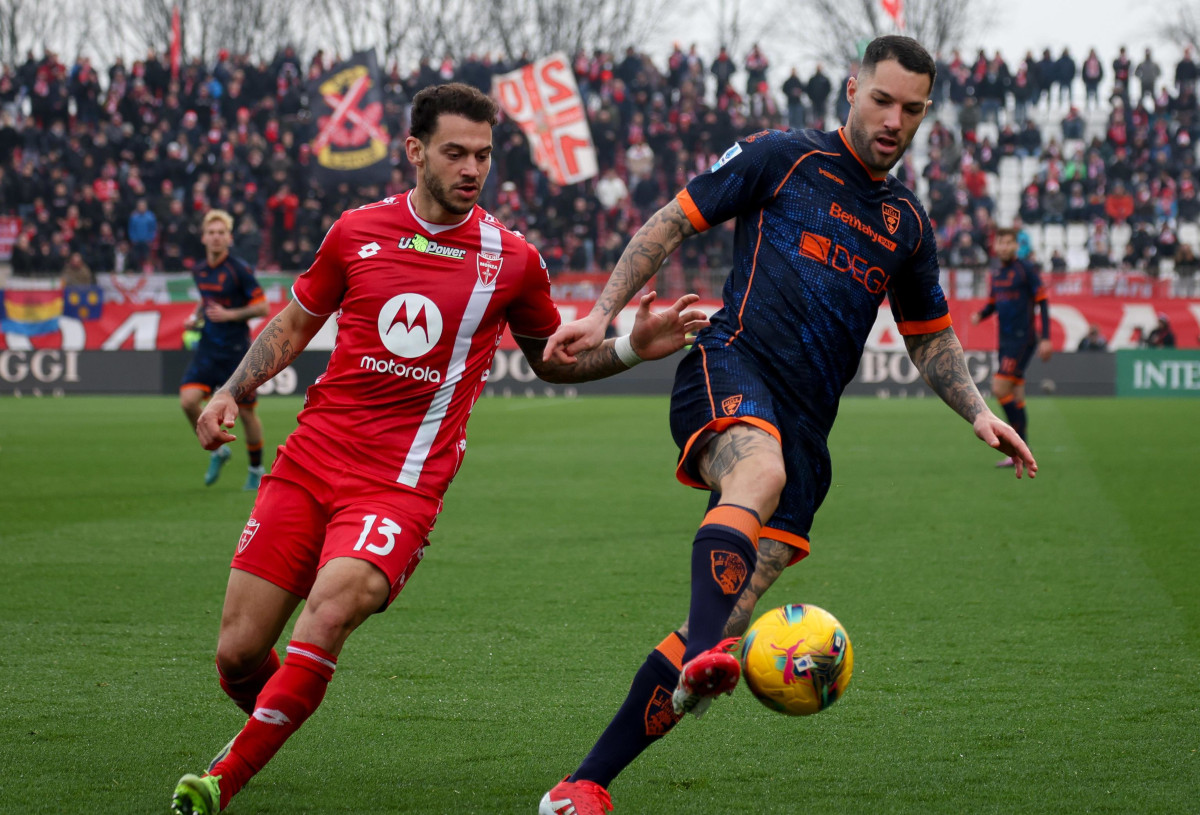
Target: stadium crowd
110	170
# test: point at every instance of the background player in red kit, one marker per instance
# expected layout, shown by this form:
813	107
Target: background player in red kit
423	285
822	235
1016	288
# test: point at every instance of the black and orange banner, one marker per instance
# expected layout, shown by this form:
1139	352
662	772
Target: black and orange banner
351	144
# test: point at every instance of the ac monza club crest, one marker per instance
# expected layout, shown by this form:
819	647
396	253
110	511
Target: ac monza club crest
660	715
730	404
729	570
247	535
488	264
891	218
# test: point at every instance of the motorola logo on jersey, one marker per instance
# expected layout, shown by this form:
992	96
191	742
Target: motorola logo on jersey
410	325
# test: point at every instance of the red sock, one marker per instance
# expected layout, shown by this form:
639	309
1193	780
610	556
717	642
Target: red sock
244	691
288	698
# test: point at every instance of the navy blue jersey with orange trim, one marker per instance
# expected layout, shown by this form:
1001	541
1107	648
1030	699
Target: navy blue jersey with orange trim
1016	288
231	284
819	243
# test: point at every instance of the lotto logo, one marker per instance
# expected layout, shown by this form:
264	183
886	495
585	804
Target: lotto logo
369	250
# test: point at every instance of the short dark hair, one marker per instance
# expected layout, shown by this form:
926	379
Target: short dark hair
1007	232
453	97
911	55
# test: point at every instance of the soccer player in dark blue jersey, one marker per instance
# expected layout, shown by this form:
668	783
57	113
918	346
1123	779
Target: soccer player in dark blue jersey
823	234
229	298
1015	289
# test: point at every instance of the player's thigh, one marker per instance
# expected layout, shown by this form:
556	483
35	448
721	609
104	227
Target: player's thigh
723	418
347	591
192	397
252	619
743	460
383	526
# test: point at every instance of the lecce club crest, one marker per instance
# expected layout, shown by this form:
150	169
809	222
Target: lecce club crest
488	264
891	218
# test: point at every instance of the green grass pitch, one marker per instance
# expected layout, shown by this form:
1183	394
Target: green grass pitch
1020	647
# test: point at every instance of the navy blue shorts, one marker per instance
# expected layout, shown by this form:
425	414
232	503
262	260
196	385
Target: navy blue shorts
1013	359
716	388
209	372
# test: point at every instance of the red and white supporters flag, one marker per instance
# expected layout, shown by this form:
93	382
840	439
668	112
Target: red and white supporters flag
544	100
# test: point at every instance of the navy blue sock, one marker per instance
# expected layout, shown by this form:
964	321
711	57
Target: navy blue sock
723	557
644	718
1020	420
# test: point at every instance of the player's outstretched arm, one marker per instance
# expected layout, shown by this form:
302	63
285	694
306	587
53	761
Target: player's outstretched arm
279	343
939	358
655	334
642	258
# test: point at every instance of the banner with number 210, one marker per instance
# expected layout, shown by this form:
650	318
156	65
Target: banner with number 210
544	100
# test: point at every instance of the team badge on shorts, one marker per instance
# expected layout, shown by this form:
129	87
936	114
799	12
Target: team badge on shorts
660	715
891	218
247	535
730	404
488	264
729	570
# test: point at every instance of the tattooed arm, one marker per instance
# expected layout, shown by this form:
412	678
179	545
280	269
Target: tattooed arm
642	258
939	358
655	334
280	342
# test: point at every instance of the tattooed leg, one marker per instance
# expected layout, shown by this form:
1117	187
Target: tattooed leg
745	465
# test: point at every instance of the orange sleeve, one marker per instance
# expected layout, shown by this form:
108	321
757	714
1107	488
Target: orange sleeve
692	211
912	327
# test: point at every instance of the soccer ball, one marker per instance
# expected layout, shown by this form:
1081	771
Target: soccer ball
797	659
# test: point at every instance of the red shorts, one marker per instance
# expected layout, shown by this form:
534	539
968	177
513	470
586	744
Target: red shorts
303	519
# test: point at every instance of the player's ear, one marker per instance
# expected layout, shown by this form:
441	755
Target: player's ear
851	89
414	148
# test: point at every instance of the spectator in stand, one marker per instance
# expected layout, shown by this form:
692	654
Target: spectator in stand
966	254
793	92
1058	263
722	70
969	116
142	231
22	256
1122	69
1099	247
818	89
1092	72
1186	266
1073	125
1064	76
1031	204
756	65
1029	140
1148	74
1093	341
1054	203
1118	207
1161	336
76	272
1186	72
611	191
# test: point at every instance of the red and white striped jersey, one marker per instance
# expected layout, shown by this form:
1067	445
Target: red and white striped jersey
422	310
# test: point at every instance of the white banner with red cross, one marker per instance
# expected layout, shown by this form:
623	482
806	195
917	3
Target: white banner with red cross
544	100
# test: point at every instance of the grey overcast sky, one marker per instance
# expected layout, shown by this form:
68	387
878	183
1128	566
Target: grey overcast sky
1017	26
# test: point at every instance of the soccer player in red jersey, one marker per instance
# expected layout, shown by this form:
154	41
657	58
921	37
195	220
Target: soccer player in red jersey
823	235
423	285
229	298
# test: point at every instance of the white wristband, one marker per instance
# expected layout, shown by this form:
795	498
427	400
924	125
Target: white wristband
625	352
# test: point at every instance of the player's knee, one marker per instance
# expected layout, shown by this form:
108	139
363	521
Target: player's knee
238	658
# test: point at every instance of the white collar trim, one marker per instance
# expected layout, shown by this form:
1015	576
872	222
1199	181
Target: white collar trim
432	228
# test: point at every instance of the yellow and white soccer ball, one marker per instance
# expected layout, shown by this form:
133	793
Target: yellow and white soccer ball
797	659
